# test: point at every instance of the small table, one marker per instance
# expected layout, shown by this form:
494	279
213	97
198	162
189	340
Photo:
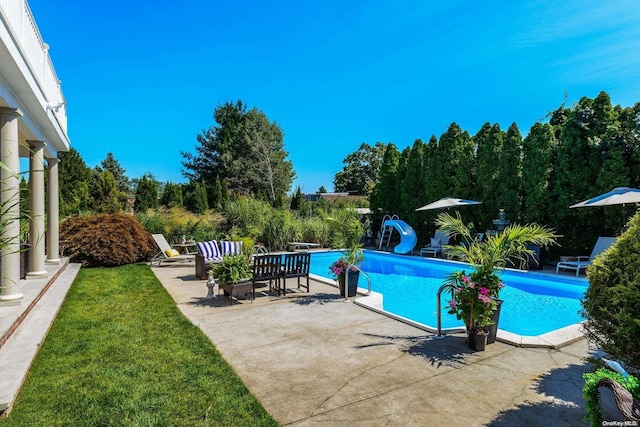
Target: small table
188	248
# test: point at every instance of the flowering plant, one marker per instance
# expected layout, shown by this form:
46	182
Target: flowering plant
474	297
339	267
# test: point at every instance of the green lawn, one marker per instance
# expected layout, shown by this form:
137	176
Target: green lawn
120	353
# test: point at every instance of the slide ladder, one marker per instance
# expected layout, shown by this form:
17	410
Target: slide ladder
408	237
386	230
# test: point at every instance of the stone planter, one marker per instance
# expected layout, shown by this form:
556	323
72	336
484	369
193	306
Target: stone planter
493	328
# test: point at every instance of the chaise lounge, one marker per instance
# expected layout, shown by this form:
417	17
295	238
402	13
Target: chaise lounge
578	263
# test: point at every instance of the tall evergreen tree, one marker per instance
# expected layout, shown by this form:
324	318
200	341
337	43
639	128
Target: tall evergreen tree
245	150
146	194
216	195
538	150
296	200
384	194
488	142
119	174
412	185
74	180
172	195
104	196
198	199
509	176
456	158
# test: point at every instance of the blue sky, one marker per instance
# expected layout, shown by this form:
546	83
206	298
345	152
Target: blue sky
142	78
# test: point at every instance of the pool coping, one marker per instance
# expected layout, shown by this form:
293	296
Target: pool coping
554	340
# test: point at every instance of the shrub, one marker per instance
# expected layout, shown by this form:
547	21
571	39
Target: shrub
612	301
106	240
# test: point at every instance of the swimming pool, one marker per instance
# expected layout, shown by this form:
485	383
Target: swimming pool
534	303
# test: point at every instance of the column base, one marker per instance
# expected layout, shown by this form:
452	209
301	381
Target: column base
37	274
14	299
53	261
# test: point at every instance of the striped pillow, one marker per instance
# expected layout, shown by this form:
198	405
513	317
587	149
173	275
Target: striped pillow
231	248
209	249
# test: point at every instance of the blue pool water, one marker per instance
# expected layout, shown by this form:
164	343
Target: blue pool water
533	303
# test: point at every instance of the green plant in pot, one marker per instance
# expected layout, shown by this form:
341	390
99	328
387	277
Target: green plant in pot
476	296
232	269
346	231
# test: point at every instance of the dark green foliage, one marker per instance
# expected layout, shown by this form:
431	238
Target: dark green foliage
591	393
296	200
361	169
537	173
215	200
119	174
146	194
322	189
245	149
385	193
172	195
232	269
509	175
612	301
200	203
74	178
489	142
104	196
412	187
106	240
457	163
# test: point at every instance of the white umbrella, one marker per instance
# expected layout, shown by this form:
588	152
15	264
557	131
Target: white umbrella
448	202
617	196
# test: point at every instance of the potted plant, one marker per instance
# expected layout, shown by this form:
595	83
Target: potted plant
347	234
476	296
232	272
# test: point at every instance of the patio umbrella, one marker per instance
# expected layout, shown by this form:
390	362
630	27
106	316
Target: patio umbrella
448	202
617	196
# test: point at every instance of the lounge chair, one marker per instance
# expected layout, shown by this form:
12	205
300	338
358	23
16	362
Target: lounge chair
167	253
582	262
434	248
208	253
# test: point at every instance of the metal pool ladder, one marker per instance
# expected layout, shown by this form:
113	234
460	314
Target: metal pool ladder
346	282
444	287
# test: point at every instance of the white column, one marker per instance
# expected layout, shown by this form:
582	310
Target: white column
53	213
36	208
9	207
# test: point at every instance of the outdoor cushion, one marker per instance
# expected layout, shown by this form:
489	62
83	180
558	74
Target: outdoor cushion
172	253
231	248
435	243
209	249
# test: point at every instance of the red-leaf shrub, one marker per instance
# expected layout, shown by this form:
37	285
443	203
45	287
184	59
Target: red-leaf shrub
106	240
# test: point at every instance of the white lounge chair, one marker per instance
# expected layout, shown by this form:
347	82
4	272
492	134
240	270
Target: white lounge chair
582	262
440	239
167	253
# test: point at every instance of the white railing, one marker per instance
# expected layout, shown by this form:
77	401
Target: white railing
16	15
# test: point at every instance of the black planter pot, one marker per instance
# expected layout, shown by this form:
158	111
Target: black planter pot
493	328
353	282
477	340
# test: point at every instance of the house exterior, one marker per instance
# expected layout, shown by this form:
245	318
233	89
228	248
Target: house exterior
33	125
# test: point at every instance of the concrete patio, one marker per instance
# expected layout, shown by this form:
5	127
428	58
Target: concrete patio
313	359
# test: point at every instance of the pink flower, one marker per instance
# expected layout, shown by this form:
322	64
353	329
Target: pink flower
485	299
472	285
465	279
500	285
484	291
452	303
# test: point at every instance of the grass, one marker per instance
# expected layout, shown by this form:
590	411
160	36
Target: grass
120	353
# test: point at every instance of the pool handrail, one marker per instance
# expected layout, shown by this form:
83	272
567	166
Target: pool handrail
439	307
346	282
